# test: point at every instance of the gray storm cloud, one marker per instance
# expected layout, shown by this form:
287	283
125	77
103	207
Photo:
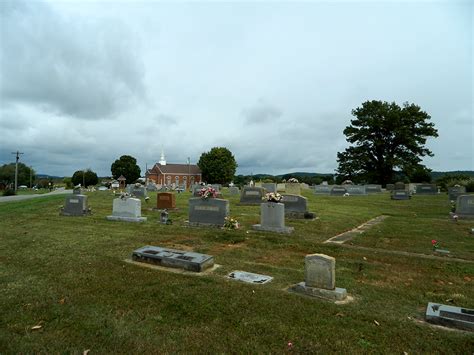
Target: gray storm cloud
84	69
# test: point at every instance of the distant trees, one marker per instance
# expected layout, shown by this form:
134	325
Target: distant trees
385	138
127	166
7	174
85	178
218	166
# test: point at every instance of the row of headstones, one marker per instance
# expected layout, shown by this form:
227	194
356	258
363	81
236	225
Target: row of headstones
290	188
319	274
398	190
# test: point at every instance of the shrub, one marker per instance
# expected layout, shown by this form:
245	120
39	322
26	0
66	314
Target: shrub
9	192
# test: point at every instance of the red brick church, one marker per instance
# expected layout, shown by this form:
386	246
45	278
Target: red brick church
166	174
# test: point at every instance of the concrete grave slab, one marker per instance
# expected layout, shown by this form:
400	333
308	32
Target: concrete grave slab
249	277
450	316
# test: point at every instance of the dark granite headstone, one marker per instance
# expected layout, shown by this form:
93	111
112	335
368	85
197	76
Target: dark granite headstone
208	212
399	186
465	206
356	189
173	258
450	316
456	191
251	195
373	189
426	189
338	191
75	205
390	187
322	189
400	195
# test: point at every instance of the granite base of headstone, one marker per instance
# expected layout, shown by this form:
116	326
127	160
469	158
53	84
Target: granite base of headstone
173	258
400	195
209	212
272	218
296	207
320	279
465	207
251	195
75	205
450	316
127	209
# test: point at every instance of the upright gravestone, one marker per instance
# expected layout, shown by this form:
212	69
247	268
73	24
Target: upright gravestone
151	187
251	195
320	278
137	190
322	189
338	191
127	209
269	187
293	188
196	189
373	189
75	205
165	200
296	207
272	218
426	189
208	212
465	206
355	189
234	190
456	191
400	195
399	186
390	187
281	187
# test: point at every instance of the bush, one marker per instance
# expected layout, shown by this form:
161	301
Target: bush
470	186
9	192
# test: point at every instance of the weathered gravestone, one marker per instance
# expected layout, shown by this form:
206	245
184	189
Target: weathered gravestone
373	189
450	316
280	187
320	278
165	200
355	189
137	190
456	191
400	195
390	187
322	190
208	212
296	207
272	218
465	206
293	188
338	191
234	190
75	205
127	209
399	186
426	189
270	187
151	187
173	258
251	195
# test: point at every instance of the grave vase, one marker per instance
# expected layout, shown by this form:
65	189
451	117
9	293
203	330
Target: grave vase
272	214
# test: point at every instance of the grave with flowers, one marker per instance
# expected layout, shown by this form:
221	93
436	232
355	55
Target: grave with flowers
207	209
272	215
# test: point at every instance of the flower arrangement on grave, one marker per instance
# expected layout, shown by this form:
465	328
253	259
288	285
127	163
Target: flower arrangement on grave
435	244
272	197
453	206
231	223
293	181
207	192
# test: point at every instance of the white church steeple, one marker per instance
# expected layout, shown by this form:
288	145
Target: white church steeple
162	158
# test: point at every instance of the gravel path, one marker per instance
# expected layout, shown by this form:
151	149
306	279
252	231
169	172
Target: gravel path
27	197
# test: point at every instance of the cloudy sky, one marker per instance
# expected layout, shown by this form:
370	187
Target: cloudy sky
84	82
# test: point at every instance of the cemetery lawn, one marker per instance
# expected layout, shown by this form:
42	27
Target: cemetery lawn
65	285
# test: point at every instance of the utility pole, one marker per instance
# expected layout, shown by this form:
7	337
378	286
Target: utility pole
188	181
17	153
31	176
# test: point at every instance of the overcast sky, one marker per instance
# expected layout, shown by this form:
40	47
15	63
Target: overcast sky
82	83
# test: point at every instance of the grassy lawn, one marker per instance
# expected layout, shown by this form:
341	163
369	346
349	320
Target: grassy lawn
68	276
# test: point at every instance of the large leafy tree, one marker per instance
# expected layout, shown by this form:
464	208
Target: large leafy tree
127	166
85	178
217	166
7	174
385	138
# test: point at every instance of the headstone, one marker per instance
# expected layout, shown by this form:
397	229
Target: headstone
216	187
390	187
322	189
272	218
355	189
137	190
173	258
320	278
75	205
196	189
465	206
151	187
165	200
373	189
456	191
304	186
208	212
270	187
249	277
426	189
293	188
251	195
400	195
399	186
324	183
280	187
338	191
450	316
296	207
234	190
127	209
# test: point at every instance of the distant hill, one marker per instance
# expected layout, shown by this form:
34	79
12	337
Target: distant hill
434	174
438	174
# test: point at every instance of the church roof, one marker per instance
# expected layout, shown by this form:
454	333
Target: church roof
177	169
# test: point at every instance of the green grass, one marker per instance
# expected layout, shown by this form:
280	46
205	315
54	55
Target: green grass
68	275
